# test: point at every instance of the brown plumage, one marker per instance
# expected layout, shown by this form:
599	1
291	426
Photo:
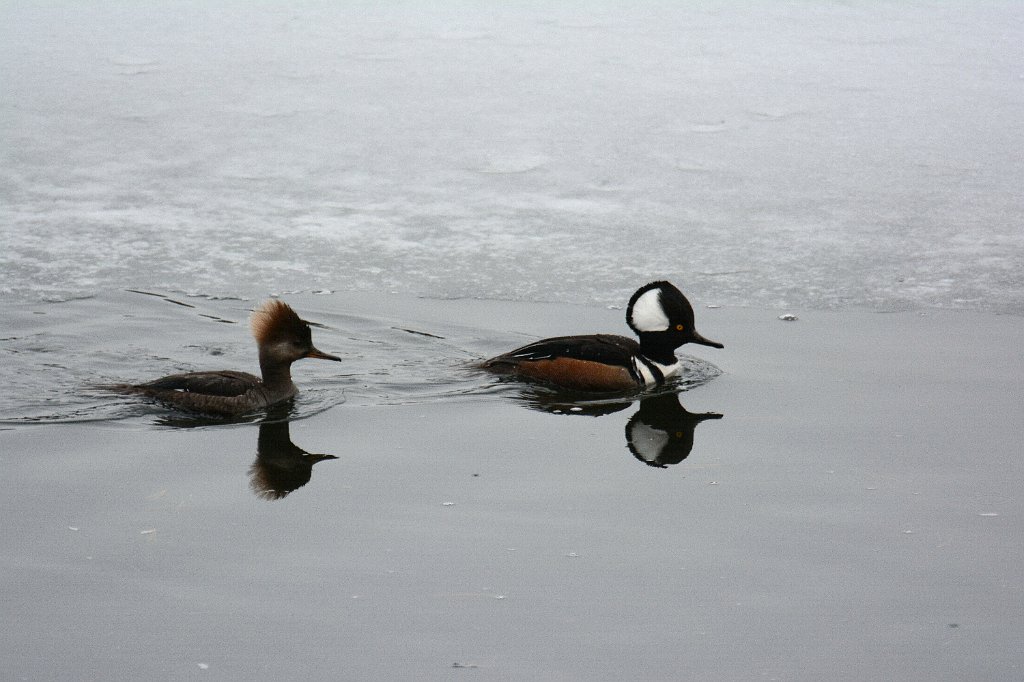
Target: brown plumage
282	337
598	372
275	320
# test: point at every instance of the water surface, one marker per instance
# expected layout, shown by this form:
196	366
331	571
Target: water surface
830	498
853	514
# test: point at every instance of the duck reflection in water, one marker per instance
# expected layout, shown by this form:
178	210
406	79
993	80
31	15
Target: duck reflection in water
661	431
280	466
659	434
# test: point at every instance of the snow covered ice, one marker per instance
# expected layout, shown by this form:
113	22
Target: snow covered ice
775	155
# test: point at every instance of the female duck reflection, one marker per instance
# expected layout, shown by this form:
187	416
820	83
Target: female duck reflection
659	433
280	466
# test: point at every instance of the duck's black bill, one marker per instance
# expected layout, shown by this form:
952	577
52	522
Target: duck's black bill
697	338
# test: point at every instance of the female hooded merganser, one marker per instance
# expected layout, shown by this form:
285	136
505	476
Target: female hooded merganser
282	337
660	316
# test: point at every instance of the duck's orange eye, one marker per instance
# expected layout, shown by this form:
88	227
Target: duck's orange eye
679	327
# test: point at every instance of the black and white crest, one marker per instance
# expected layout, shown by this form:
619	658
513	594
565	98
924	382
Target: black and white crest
657	307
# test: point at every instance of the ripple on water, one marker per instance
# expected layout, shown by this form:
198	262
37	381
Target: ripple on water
57	355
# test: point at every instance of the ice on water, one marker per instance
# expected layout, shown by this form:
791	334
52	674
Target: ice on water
779	154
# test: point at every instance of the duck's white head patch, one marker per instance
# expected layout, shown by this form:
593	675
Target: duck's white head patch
647	313
647	442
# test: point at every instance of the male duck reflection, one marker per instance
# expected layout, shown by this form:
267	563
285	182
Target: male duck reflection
660	316
660	433
282	338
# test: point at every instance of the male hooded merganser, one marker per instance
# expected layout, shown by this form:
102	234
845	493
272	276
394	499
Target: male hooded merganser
660	316
282	337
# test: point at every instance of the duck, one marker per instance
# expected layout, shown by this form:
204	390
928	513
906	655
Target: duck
660	316
282	337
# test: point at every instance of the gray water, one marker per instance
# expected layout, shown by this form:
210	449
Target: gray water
433	185
854	155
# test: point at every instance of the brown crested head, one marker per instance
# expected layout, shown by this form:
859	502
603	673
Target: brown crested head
281	333
275	321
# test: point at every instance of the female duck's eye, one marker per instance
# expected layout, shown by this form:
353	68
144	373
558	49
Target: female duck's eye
679	327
